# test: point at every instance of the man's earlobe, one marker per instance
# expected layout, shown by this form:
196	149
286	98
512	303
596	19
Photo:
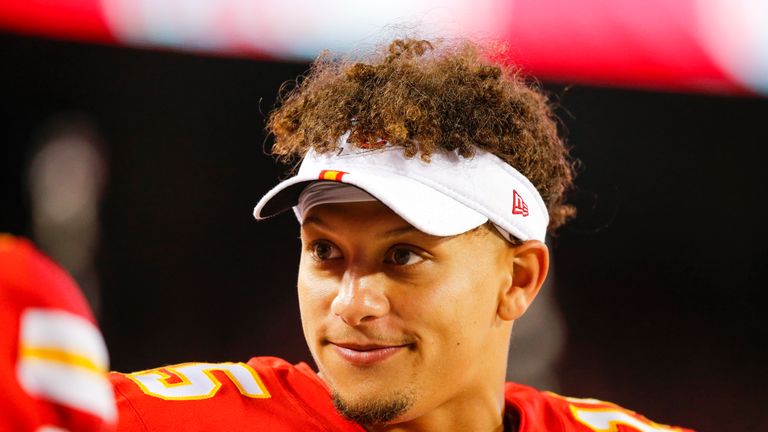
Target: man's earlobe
529	264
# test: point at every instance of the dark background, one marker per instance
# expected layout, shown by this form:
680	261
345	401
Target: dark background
661	278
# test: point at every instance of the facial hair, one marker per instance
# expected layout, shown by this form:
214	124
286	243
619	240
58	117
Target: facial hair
373	411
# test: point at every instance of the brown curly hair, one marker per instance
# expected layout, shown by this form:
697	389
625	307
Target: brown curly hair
427	97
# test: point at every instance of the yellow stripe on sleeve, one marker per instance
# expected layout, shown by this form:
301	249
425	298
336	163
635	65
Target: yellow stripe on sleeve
61	356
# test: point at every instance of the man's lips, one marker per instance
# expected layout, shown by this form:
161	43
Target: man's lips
366	355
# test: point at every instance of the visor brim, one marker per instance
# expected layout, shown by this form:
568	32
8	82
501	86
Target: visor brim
427	209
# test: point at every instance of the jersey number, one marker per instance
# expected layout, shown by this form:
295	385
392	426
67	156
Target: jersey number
191	381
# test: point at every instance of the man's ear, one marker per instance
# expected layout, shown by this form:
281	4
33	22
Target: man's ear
528	264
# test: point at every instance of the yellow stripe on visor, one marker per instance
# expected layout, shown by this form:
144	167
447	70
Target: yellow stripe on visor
331	175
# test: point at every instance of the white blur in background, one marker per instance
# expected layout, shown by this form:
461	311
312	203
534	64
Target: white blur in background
66	179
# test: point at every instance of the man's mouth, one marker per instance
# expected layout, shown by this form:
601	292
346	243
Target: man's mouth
366	355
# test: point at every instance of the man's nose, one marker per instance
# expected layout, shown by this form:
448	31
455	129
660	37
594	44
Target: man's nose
359	300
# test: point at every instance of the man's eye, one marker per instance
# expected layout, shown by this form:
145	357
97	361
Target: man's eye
323	250
403	256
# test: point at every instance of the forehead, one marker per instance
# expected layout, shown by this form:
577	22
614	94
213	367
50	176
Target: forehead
373	219
339	215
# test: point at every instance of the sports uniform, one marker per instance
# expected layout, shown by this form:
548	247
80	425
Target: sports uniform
270	394
53	360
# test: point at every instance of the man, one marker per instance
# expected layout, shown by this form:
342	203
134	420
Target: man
53	366
428	181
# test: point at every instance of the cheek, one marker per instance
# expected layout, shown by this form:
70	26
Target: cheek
463	310
441	307
315	295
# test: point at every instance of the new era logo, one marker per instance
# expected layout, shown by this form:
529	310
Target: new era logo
518	205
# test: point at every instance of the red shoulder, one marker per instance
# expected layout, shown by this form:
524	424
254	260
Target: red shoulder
30	279
552	412
266	392
53	360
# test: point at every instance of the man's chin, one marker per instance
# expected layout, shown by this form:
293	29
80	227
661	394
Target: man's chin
374	410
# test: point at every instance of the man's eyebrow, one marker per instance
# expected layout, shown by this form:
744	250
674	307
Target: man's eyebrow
314	220
394	232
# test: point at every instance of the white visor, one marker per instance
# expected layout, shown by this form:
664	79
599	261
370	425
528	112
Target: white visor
447	196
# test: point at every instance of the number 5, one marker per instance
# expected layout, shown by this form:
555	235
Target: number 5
192	381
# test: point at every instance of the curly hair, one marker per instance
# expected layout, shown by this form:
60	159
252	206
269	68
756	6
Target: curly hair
427	97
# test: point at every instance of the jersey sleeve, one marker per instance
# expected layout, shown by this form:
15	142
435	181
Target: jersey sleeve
53	358
592	415
539	411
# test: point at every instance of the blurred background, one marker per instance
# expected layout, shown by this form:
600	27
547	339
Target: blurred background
132	149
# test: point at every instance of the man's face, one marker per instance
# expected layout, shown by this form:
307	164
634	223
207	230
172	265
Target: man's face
400	323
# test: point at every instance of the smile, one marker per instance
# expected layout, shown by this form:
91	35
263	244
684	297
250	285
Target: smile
366	355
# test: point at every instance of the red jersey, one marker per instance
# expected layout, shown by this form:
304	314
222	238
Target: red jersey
53	360
270	394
